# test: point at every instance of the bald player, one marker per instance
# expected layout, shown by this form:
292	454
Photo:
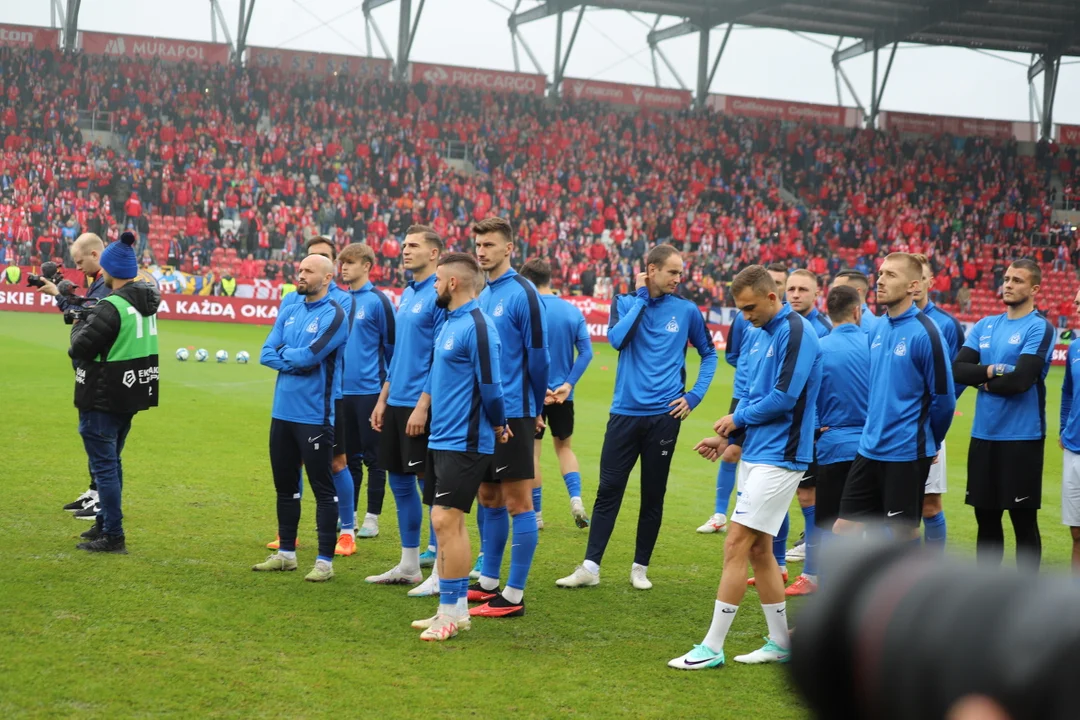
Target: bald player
86	254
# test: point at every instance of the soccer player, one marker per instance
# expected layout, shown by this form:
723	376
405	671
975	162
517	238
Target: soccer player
778	415
739	339
841	407
367	354
343	483
567	331
911	385
518	313
1069	442
802	292
466	405
1007	358
650	330
303	347
857	280
401	412
952	332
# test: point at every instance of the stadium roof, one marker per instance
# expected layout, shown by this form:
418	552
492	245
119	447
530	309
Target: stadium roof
1043	27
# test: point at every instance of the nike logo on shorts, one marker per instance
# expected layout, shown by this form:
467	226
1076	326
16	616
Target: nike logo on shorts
1021	499
667	442
898	512
415	463
502	468
313	439
439	495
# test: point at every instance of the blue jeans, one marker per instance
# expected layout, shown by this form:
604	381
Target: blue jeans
103	436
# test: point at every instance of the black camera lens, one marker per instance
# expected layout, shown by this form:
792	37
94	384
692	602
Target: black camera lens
898	633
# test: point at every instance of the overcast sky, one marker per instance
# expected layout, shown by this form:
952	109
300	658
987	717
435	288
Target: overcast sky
611	46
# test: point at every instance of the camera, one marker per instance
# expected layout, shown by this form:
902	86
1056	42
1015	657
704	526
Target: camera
896	632
77	306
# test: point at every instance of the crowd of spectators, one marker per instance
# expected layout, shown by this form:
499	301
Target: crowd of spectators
233	169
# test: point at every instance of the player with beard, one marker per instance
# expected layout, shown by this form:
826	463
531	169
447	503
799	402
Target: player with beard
1007	357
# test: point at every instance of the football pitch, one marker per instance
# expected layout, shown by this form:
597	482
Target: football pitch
181	626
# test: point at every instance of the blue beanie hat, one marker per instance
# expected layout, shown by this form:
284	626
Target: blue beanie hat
119	258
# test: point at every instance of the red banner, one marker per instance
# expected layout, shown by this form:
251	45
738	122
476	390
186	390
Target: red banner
138	46
784	110
314	63
476	78
27	36
939	124
1069	134
633	95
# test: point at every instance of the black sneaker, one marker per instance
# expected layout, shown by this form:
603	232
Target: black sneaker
105	544
94	532
89	512
87	498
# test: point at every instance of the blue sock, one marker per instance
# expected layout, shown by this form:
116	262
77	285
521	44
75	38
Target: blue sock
536	499
496	531
481	518
810	563
343	487
779	543
433	542
934	531
573	483
410	512
522	550
448	593
725	483
462	588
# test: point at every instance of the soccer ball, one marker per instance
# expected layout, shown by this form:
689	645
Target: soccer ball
201	354
221	356
182	354
242	357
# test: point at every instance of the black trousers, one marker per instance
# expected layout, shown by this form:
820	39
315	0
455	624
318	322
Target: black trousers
292	445
362	445
652	438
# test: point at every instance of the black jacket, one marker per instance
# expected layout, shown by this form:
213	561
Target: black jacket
94	336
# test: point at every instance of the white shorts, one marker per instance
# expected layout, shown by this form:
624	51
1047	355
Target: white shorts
765	494
937	481
1070	489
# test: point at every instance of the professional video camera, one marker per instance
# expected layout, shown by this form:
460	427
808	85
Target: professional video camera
896	633
77	305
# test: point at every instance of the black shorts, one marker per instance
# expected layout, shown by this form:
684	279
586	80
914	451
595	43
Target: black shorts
888	491
513	460
560	418
809	478
452	478
830	488
739	435
339	427
399	453
360	437
1005	474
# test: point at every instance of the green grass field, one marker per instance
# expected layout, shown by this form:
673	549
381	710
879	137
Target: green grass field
181	626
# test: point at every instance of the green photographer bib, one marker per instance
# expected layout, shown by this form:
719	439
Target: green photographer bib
125	378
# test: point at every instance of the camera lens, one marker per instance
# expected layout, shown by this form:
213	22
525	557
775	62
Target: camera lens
896	633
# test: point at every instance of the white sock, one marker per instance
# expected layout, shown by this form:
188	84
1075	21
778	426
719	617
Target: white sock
434	572
776	619
324	563
288	554
369	516
410	559
512	595
462	610
722	617
591	567
811	578
348	531
488	583
431	548
635	566
449	610
575	498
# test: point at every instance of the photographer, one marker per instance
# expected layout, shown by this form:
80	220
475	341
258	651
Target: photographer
115	349
86	253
